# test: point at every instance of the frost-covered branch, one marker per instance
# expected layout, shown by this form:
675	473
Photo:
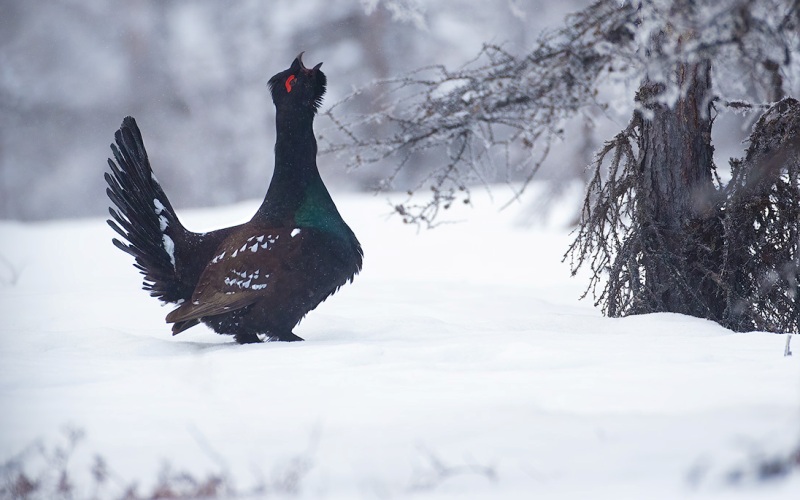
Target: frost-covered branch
437	472
762	222
46	471
497	117
607	230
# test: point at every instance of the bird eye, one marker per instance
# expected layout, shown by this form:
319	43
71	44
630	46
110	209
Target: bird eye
289	83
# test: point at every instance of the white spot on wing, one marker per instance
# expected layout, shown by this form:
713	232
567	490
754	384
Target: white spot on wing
169	246
245	279
159	208
295	232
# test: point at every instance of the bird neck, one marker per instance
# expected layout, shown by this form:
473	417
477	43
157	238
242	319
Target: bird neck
296	183
295	145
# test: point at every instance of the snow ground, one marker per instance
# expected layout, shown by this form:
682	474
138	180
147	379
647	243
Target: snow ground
460	364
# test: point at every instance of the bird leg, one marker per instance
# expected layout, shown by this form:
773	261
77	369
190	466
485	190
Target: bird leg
247	338
254	338
285	337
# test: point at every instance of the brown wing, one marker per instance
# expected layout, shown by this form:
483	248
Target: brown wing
247	267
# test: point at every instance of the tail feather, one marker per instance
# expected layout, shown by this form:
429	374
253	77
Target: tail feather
144	218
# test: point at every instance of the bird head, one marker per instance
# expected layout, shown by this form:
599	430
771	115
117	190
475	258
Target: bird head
299	86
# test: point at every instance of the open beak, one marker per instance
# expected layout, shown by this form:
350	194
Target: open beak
303	66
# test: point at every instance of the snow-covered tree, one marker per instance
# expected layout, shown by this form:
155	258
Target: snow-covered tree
659	229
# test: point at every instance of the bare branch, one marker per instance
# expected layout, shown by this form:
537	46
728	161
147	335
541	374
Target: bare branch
498	113
496	118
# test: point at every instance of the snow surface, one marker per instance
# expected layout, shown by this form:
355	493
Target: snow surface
460	364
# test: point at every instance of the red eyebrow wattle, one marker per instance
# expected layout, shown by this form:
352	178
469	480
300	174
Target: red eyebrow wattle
289	83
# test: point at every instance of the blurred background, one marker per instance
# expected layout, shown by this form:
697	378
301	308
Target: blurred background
194	74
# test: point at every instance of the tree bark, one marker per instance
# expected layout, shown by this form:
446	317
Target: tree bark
678	214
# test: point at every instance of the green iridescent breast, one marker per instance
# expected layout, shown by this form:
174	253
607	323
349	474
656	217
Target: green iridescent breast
317	210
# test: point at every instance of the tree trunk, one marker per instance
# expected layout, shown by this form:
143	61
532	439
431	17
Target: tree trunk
678	216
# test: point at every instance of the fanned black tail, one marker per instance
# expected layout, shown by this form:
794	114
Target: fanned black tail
144	217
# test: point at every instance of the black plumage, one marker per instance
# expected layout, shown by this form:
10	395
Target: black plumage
257	280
